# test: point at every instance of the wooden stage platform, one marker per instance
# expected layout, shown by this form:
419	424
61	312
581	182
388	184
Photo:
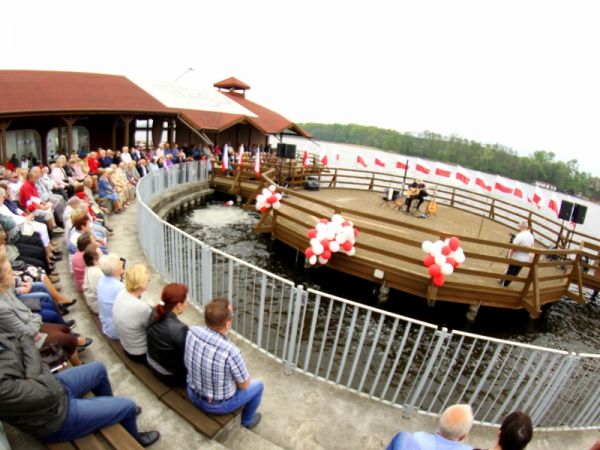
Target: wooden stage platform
390	241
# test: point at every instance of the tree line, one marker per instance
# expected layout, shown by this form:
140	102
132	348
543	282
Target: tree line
491	158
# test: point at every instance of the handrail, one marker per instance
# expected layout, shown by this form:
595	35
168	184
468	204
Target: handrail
398	360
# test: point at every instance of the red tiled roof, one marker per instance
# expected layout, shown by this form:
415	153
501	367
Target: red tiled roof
267	121
210	120
33	90
231	83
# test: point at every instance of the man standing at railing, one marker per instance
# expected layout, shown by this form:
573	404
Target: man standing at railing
525	239
218	381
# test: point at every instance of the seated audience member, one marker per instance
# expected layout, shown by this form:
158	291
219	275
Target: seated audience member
131	314
81	223
166	336
38	299
77	262
218	381
51	407
109	285
91	258
515	432
417	190
30	200
15	317
454	426
106	190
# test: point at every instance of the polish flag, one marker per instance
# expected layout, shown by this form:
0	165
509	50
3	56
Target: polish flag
442	170
503	185
538	197
462	175
240	158
257	162
305	159
379	162
324	159
518	192
401	165
553	203
421	167
360	160
337	158
225	159
482	183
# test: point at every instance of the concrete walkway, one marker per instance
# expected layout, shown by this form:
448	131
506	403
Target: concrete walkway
299	412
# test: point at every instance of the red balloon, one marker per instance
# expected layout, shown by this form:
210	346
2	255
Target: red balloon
434	270
446	250
272	199
439	279
264	209
326	254
324	220
325	244
355	232
312	233
346	223
454	243
309	252
347	246
428	260
453	262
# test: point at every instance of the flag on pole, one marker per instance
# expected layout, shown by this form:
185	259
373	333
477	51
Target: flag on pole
401	165
462	175
305	159
324	159
482	183
360	160
240	158
553	203
225	159
503	185
422	167
442	170
337	159
518	192
257	162
379	162
538	197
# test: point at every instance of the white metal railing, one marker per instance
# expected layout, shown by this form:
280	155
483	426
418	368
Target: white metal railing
395	359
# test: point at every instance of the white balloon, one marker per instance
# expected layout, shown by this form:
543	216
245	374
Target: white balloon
427	246
279	196
260	198
440	259
334	247
340	238
459	251
321	227
312	260
351	252
323	261
266	192
314	241
317	249
349	232
276	205
272	188
447	269
460	258
330	235
258	206
337	218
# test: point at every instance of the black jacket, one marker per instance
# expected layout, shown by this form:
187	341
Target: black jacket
166	343
31	398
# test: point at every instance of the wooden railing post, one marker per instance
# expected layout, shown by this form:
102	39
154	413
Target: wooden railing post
452	198
532	279
575	274
492	205
372	183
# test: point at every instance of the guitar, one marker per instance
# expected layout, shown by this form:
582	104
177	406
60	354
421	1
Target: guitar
432	206
412	192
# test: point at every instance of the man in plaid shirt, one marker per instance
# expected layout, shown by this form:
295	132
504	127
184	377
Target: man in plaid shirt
218	381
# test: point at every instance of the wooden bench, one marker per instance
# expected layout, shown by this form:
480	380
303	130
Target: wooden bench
115	436
175	398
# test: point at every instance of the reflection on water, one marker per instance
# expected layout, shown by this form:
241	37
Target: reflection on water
565	325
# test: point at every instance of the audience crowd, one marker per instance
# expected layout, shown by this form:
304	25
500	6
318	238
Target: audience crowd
74	198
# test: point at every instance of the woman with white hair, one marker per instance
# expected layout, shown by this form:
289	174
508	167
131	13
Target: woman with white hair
109	285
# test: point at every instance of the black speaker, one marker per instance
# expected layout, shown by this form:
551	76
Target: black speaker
311	185
566	210
579	213
286	151
395	195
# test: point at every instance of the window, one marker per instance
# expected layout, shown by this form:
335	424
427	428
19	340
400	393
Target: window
22	143
81	138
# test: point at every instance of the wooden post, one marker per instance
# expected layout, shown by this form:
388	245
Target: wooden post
532	279
70	121
372	183
452	199
4	140
126	121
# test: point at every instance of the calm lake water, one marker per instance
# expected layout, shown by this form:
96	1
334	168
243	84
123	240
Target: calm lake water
565	324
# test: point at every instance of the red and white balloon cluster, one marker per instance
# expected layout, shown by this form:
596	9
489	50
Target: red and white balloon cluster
442	258
329	237
268	199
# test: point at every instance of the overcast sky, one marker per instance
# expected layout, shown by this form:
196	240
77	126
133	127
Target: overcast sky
523	73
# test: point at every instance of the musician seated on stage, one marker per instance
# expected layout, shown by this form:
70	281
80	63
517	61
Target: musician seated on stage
417	190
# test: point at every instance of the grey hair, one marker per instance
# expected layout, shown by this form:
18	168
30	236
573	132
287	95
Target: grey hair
456	422
3	192
108	264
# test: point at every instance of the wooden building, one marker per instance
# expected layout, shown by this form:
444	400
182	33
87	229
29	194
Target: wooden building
46	113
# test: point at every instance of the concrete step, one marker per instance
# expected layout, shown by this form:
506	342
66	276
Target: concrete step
236	437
